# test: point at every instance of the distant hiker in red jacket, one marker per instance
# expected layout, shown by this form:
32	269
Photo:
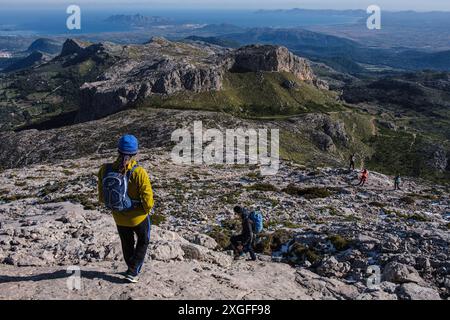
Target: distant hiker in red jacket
364	177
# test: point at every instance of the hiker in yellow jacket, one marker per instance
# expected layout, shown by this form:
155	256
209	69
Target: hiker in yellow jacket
132	218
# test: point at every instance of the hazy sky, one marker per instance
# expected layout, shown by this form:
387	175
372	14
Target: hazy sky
420	5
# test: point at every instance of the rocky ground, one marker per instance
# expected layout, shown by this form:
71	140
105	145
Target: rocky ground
322	233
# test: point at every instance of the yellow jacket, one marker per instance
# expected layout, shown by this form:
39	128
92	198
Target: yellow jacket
139	188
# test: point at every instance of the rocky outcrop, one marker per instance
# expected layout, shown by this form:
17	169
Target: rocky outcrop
412	291
271	58
401	273
436	157
325	132
321	248
73	46
161	67
119	91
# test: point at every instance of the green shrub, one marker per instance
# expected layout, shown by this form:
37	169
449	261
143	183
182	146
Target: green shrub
13	198
254	175
157	219
339	242
418	217
280	237
263	187
332	211
82	199
307	193
352	218
408	200
262	245
414	216
230	198
221	235
377	204
67	172
291	225
301	253
50	188
423	196
232	224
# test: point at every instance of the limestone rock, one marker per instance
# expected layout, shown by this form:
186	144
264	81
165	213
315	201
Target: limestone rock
332	267
400	273
413	291
204	240
166	251
327	288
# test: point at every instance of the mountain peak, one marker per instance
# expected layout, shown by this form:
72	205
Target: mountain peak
72	46
273	59
174	67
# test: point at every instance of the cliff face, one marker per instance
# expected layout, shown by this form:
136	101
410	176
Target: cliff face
163	68
271	58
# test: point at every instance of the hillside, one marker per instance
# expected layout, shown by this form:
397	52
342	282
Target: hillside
87	81
60	120
321	234
257	82
33	60
49	46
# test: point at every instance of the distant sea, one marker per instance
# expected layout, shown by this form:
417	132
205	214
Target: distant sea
53	21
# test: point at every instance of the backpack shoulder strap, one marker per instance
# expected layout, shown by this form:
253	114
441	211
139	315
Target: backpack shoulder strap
130	173
108	168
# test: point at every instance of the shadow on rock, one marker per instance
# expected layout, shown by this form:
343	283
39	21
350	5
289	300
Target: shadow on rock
91	275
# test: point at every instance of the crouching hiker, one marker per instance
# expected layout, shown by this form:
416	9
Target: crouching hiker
252	224
124	187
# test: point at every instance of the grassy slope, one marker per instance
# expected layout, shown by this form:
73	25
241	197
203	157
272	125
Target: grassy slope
301	150
247	96
254	96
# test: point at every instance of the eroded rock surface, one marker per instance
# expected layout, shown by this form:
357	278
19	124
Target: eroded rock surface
316	246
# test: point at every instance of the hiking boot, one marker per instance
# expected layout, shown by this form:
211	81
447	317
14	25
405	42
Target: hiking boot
239	256
124	273
131	278
254	258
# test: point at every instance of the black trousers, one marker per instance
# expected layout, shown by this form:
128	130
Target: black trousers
237	241
134	252
352	165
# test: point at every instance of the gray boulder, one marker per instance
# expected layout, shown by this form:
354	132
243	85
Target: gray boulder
412	291
166	251
400	273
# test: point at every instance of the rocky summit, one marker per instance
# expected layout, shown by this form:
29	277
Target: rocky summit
163	67
323	236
